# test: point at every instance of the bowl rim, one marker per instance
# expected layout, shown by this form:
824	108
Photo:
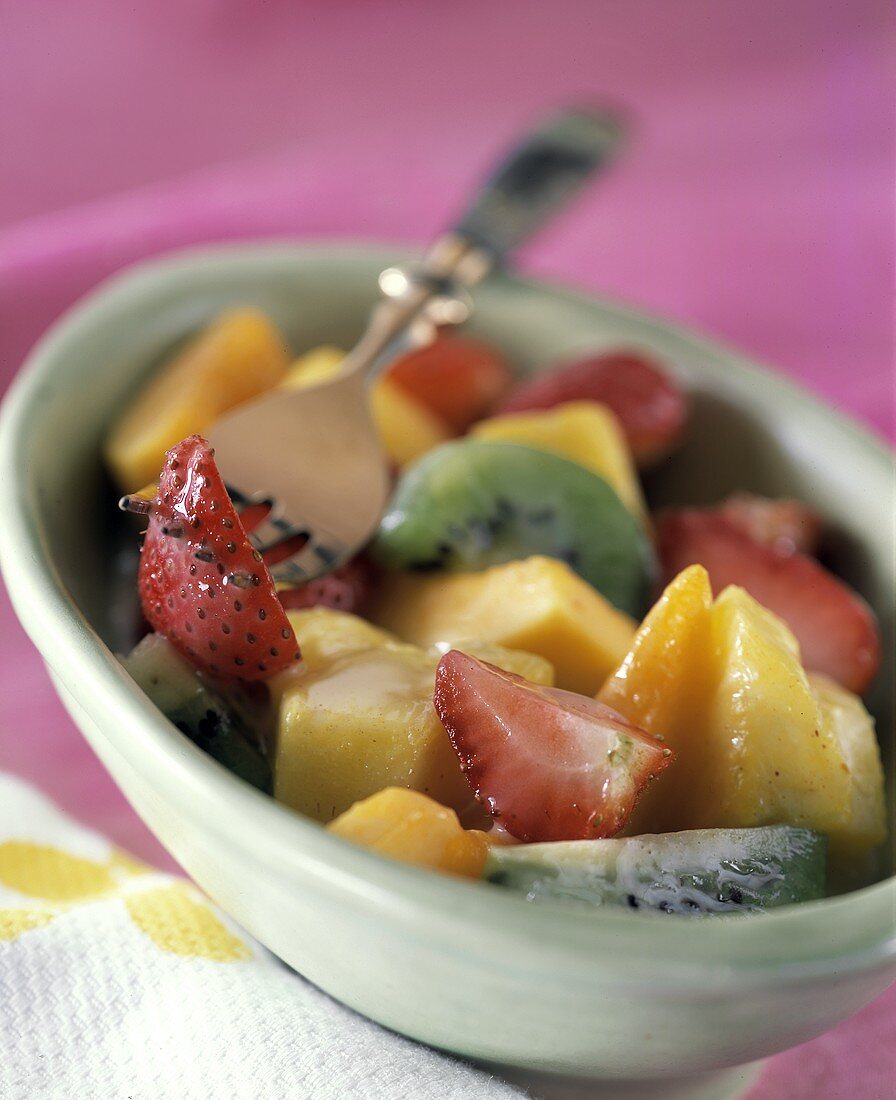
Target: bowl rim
797	944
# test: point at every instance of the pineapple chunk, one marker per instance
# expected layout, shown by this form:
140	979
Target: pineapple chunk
407	825
407	429
662	681
357	716
363	721
585	432
530	666
723	685
238	356
771	758
853	728
325	633
538	605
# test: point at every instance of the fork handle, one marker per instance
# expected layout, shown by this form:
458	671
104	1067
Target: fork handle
538	177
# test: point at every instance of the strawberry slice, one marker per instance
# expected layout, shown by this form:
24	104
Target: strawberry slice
784	525
547	764
459	379
345	589
836	629
202	584
652	409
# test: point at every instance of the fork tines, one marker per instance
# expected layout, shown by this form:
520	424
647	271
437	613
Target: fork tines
291	552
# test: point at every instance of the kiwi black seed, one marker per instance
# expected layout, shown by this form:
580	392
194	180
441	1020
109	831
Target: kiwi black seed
471	504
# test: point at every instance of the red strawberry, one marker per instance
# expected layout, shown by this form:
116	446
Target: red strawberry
202	584
547	764
651	408
459	379
345	589
784	525
835	628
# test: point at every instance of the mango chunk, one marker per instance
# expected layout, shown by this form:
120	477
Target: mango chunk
853	728
407	429
236	357
407	825
586	432
663	681
722	683
319	364
357	716
538	605
662	686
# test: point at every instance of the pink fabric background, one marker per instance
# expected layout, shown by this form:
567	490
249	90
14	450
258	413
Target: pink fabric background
756	201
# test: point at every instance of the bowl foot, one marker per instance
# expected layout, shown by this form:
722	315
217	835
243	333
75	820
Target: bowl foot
725	1084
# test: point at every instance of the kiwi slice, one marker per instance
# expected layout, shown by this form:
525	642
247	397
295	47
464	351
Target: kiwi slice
217	724
471	504
703	871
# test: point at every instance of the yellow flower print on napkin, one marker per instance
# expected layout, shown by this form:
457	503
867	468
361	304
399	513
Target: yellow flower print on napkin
13	922
41	871
175	921
172	915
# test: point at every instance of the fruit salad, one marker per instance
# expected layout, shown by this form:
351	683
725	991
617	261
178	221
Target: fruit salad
527	677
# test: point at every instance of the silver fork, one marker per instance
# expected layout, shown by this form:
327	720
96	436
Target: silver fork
309	461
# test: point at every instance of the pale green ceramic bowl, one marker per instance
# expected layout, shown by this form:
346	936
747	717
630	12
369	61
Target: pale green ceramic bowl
463	966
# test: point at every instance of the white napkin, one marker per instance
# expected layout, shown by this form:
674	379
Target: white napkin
119	982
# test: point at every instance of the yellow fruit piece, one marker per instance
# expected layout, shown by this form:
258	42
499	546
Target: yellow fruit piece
853	728
663	687
530	666
724	687
357	716
407	429
324	633
148	492
235	358
361	722
407	825
317	365
538	605
770	756
585	432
